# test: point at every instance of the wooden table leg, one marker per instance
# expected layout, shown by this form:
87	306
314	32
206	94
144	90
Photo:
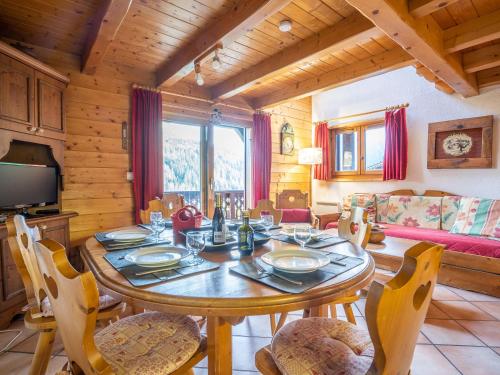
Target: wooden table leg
219	337
319	311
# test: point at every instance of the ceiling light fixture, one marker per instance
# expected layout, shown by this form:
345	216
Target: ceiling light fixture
197	76
216	62
285	26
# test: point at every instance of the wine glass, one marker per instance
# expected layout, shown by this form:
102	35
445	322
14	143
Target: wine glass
195	243
157	223
302	234
267	220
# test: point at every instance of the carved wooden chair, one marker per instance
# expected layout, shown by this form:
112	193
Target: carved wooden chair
266	205
292	199
170	203
146	343
395	313
39	315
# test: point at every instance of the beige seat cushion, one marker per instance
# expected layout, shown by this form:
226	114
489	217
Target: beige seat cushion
105	301
149	343
322	346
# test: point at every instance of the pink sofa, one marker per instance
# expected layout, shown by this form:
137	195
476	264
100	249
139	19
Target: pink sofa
423	219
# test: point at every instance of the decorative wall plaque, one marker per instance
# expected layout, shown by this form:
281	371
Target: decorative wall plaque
463	143
287	139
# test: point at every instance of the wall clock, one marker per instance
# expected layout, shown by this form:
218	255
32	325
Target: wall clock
287	139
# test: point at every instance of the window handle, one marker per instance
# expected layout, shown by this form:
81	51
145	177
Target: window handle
212	184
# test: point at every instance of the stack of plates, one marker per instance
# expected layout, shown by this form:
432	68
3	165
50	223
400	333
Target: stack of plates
128	235
296	261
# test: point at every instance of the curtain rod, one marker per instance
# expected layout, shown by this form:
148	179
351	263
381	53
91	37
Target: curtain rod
391	108
212	102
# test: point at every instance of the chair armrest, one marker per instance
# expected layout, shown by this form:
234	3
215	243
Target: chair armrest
321	220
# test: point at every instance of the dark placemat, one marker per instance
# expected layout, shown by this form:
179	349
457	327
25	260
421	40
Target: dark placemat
129	270
309	280
111	245
320	243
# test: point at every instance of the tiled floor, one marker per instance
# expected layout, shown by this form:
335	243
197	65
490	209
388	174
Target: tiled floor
460	336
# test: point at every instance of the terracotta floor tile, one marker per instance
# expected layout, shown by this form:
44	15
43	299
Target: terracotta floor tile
427	360
448	332
487	331
491	307
463	310
29	345
473	296
442	293
19	364
472	360
6	337
435	312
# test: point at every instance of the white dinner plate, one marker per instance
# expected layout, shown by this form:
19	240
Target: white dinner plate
156	256
128	235
296	261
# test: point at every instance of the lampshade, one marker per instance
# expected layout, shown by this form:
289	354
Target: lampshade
311	155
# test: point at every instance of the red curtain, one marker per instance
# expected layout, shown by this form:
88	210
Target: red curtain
261	156
396	145
322	139
147	155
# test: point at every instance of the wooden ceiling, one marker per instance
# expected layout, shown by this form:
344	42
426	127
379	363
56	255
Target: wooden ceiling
332	42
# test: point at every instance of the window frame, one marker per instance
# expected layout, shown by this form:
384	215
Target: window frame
360	174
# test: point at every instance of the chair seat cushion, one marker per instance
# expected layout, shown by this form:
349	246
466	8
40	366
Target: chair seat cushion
149	343
105	301
322	346
296	215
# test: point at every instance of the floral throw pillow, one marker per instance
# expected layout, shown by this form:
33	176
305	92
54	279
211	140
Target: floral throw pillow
478	216
449	211
366	201
414	211
382	207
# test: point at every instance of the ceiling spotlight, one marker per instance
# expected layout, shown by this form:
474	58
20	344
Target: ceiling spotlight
197	76
216	62
285	26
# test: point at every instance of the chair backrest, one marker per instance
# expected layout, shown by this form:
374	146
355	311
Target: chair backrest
353	226
266	205
75	300
25	259
170	203
292	199
396	311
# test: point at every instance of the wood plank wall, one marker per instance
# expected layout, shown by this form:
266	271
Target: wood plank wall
95	183
286	172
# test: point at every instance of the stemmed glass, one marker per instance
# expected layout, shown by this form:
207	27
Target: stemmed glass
267	221
302	234
157	223
195	242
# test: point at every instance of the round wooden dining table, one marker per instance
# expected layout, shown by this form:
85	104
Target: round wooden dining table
225	297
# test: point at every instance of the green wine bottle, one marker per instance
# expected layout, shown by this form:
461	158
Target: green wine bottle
218	223
245	236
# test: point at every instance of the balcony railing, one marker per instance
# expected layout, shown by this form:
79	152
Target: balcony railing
233	201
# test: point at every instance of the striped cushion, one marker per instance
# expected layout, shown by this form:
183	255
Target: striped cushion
478	216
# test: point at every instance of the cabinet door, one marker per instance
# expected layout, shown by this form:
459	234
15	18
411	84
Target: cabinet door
12	283
56	230
50	103
16	92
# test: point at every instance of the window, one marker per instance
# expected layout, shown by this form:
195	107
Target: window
358	151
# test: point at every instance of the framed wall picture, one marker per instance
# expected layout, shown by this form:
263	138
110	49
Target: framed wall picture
287	142
463	143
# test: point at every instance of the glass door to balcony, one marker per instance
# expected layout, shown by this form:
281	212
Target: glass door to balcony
182	161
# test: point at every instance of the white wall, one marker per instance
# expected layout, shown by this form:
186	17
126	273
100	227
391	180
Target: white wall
427	104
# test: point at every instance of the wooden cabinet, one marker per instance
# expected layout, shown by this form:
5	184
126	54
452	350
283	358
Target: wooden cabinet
31	95
12	297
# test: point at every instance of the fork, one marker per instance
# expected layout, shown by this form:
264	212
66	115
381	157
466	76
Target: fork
261	270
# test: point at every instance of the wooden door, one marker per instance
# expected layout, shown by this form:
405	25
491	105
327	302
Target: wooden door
16	94
12	285
50	104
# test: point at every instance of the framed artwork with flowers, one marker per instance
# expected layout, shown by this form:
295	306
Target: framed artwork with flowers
463	143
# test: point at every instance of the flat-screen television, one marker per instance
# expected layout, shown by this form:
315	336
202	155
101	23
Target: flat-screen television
25	184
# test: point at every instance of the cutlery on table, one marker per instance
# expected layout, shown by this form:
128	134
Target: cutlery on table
338	263
149	272
261	270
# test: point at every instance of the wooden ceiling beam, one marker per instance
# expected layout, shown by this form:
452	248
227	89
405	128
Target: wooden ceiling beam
422	38
343	34
489	77
235	23
481	59
472	33
107	23
421	8
374	65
